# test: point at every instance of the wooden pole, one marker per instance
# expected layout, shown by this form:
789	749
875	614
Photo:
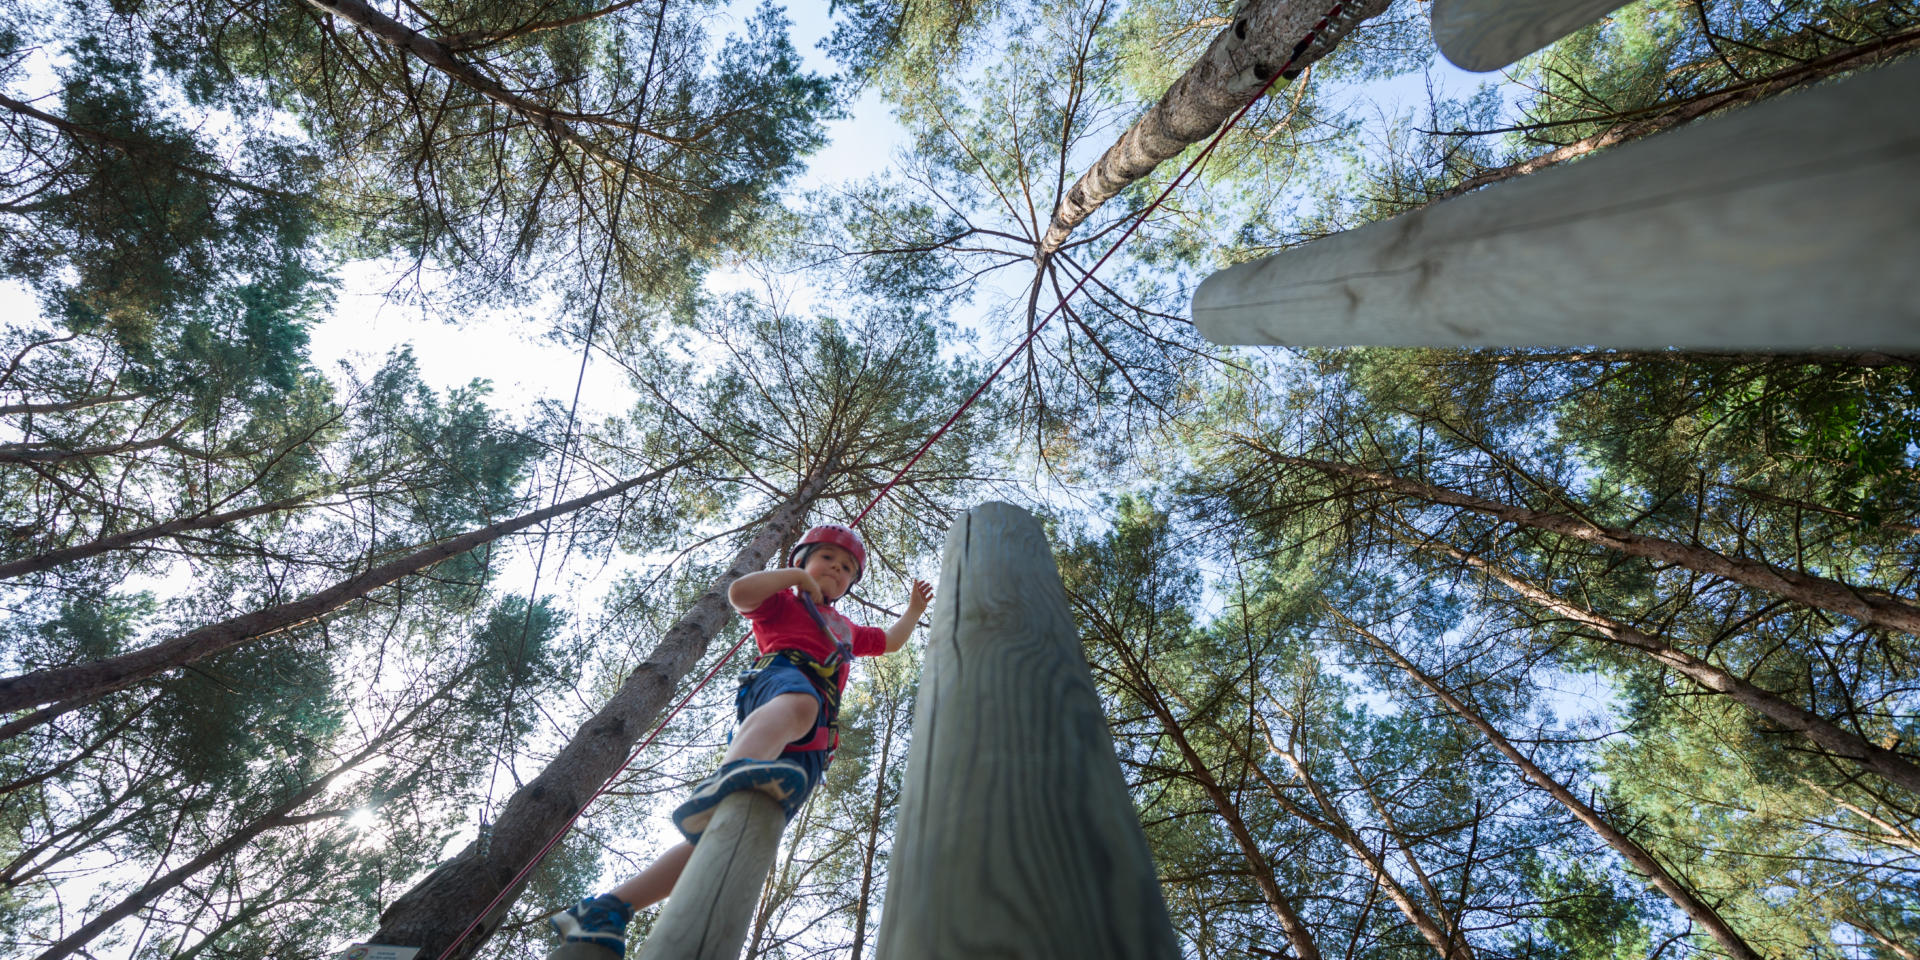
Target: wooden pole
1489	34
1788	225
1016	835
711	908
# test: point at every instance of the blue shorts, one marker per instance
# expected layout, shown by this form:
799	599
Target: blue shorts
759	687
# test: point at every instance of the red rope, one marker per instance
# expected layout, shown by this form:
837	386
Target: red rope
562	832
1088	275
924	447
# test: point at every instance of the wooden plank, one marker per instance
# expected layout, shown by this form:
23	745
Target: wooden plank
707	916
1016	835
1789	225
1489	34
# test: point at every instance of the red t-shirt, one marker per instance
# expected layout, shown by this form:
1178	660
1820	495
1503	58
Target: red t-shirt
781	623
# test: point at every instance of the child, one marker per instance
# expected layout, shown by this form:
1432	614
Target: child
788	706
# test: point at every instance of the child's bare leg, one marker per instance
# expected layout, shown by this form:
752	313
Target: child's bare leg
772	725
654	883
762	735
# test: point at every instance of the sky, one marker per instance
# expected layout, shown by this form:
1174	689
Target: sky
511	349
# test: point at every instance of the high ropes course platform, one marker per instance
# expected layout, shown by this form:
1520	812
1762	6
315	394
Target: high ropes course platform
1787	225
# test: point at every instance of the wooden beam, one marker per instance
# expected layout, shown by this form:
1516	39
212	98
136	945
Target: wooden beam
711	908
581	951
1788	225
1016	835
1489	34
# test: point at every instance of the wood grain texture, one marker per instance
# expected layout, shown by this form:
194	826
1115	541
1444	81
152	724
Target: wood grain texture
707	916
1489	34
1788	225
581	951
1016	835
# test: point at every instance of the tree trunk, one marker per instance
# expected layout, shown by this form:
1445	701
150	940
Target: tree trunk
282	815
43	453
1400	840
1449	942
1830	736
1873	607
119	541
1881	937
1666	116
68	406
436	55
865	905
1335	825
1265	38
76	684
458	893
139	149
1632	852
1257	863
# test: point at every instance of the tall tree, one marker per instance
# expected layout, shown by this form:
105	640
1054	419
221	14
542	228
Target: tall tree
804	415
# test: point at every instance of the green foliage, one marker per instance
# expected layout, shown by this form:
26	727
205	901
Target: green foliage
1586	917
135	220
906	42
489	194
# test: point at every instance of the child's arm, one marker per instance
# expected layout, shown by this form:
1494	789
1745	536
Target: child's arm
903	628
752	590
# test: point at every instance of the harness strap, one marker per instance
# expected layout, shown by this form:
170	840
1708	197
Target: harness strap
826	734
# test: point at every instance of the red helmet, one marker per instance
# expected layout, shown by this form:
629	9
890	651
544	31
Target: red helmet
846	538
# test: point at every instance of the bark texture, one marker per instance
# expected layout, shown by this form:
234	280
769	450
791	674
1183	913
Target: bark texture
1266	37
120	541
1830	736
438	56
78	684
281	815
1632	852
437	909
1872	607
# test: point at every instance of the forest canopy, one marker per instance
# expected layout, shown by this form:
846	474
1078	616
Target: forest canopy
1554	652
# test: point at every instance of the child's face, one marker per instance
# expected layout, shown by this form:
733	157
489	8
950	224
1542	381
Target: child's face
832	568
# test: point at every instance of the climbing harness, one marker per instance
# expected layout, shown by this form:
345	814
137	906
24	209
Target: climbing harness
828	677
1286	70
825	678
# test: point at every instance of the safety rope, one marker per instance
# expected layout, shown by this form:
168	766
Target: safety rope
1172	185
484	836
1139	219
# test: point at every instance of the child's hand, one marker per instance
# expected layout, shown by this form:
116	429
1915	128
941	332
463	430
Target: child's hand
806	584
922	596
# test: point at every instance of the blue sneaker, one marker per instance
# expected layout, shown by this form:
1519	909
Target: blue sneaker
601	921
782	780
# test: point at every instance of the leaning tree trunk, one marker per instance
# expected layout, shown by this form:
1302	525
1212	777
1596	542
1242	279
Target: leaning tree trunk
1291	923
1870	606
279	817
1265	38
76	685
437	55
1662	117
1448	941
457	894
1635	855
1829	736
121	541
864	906
1335	825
